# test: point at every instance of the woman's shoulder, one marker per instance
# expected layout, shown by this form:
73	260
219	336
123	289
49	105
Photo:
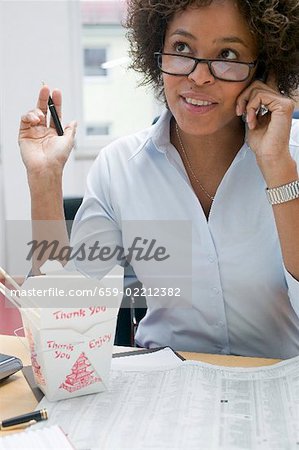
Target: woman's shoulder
127	146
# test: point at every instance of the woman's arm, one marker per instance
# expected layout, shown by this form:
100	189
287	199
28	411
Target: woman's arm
286	214
268	137
44	154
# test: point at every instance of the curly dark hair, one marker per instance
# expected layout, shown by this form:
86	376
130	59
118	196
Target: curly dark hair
275	24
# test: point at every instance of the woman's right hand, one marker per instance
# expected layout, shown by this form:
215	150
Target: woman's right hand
43	151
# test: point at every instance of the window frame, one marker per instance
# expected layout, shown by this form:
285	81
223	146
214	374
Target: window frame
96	78
87	147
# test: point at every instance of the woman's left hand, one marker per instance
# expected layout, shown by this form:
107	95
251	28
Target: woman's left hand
268	135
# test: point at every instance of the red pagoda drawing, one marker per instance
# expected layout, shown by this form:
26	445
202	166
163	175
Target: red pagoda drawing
80	376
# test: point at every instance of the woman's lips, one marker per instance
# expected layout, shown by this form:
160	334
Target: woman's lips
198	106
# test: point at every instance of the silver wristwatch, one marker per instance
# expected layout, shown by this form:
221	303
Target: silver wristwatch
282	194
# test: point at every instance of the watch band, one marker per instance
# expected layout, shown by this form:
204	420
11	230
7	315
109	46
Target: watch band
284	193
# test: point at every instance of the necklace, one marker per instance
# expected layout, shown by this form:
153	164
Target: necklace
211	197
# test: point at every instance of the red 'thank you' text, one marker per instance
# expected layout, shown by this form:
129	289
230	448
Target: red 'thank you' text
82	312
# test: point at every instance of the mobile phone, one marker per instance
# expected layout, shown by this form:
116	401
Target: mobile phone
9	365
261	74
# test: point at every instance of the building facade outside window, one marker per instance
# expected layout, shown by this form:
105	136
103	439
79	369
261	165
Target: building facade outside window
93	60
113	104
98	129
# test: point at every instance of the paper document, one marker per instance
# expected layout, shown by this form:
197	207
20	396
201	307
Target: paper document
161	359
192	405
44	439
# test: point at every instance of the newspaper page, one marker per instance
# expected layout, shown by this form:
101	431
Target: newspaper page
192	405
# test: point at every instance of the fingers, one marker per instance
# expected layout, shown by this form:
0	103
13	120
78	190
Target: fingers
38	116
42	102
261	104
251	91
253	109
57	100
32	118
70	130
250	101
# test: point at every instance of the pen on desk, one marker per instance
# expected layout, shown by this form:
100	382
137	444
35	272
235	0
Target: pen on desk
24	421
55	117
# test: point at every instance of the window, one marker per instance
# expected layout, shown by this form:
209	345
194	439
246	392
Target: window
93	60
97	129
112	103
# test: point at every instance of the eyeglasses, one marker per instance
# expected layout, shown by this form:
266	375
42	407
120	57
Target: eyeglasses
221	69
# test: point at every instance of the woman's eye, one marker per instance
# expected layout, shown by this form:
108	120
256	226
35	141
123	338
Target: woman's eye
228	54
181	47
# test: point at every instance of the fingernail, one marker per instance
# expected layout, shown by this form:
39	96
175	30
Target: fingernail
34	116
238	111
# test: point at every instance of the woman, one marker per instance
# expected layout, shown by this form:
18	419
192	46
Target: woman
237	268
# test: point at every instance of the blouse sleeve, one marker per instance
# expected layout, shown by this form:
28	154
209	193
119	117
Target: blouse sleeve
96	238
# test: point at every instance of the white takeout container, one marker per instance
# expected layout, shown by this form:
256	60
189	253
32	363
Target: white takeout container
71	347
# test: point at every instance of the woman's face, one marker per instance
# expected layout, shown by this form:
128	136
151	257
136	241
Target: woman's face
215	31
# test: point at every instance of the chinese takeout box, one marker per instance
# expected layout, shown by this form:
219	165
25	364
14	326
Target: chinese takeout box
71	336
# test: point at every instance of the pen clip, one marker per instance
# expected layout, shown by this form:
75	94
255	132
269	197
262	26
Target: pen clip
19	426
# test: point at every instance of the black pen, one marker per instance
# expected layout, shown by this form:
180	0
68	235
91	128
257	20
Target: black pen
55	117
23	421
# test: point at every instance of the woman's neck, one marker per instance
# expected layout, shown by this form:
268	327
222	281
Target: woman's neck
207	150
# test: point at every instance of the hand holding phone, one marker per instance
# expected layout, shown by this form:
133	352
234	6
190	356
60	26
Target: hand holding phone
268	118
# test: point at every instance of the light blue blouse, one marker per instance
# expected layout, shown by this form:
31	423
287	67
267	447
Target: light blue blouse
235	295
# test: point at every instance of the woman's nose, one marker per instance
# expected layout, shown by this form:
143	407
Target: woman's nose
201	74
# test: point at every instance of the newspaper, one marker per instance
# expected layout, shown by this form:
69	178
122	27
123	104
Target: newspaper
186	405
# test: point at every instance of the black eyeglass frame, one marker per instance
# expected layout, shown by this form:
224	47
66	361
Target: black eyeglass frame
209	62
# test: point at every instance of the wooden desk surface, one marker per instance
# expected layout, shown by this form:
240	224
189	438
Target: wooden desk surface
17	398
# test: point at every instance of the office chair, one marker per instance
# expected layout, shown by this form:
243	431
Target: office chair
133	308
71	206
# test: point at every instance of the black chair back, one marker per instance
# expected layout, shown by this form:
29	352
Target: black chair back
132	310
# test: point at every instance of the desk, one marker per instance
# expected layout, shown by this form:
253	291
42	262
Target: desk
16	395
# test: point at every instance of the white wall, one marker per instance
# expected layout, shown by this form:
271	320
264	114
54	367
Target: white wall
2	215
38	42
2	239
